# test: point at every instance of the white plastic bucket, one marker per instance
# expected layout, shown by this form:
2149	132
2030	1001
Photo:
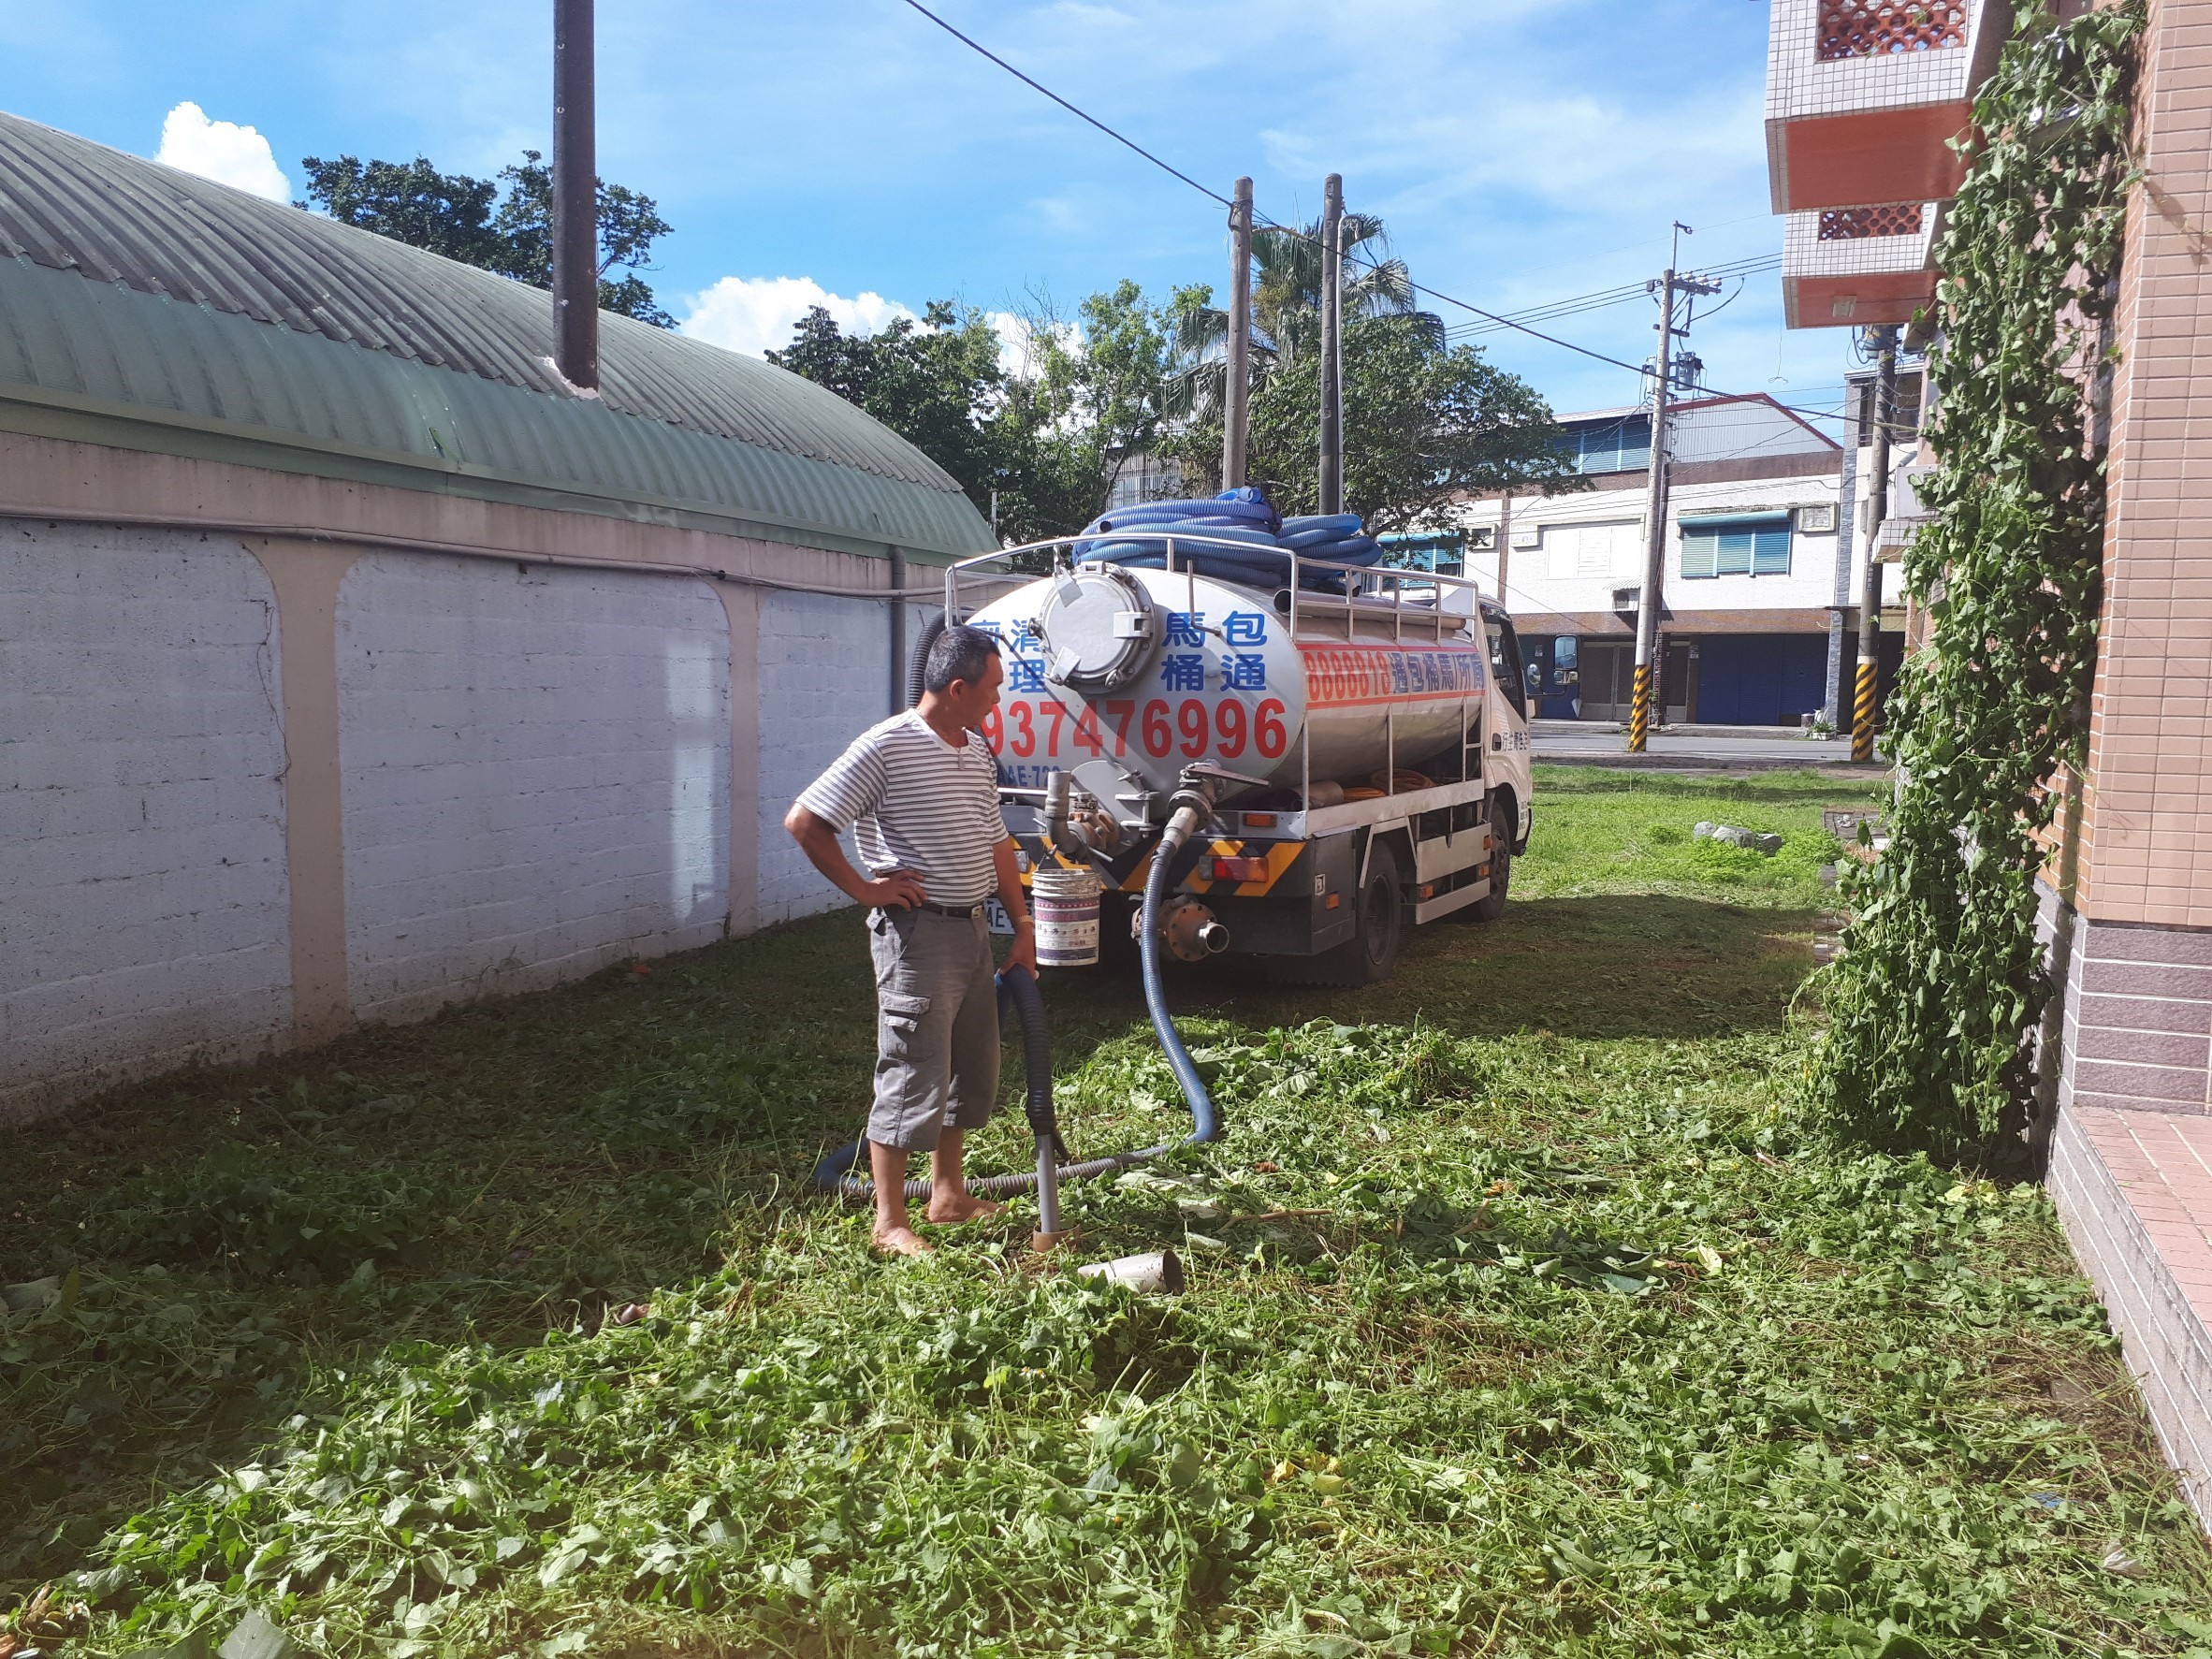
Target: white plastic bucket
1066	905
1157	1275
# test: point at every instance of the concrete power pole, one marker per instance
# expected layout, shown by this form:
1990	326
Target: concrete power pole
1647	598
1235	413
576	197
1869	605
1332	344
1505	535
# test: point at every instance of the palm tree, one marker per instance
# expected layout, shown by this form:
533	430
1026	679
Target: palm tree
1286	309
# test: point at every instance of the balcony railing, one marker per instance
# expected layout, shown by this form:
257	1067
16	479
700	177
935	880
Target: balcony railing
1863	97
1872	28
1846	224
1853	266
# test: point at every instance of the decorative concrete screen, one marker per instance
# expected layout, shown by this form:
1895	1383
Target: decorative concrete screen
536	771
142	812
1876	28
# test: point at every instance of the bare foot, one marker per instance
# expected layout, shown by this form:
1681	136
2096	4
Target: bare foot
955	1208
898	1241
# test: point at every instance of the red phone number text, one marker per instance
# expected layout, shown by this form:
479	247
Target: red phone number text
1191	728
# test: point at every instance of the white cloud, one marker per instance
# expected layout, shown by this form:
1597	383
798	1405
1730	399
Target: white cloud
221	150
756	314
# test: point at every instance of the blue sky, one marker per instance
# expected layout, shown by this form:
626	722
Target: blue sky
1521	151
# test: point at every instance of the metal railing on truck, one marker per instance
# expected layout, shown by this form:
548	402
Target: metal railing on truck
1317	617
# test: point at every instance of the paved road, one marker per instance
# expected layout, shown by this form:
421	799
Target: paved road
1598	746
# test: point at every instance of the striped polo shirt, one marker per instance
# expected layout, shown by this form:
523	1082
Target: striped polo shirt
915	802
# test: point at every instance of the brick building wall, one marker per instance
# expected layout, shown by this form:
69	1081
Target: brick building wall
2141	881
823	674
535	767
141	808
256	788
2130	905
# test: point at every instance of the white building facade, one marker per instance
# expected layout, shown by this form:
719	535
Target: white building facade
1758	591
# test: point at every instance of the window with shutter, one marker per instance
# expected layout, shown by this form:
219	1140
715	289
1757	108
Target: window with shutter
1739	547
1699	550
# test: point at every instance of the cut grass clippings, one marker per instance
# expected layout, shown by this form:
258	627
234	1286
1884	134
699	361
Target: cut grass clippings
1523	1317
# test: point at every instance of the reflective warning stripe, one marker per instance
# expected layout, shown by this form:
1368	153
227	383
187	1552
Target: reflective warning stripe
1281	855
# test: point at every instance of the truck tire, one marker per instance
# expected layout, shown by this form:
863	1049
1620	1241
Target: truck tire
1492	905
1368	956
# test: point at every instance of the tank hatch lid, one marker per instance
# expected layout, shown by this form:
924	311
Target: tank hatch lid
1099	627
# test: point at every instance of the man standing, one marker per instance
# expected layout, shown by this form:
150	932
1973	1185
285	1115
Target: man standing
919	792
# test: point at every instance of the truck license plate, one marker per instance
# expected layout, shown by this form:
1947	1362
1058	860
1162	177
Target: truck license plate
996	918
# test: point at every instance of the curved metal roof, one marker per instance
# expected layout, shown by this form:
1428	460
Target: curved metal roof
145	307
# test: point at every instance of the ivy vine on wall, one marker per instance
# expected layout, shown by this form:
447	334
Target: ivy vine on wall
1941	980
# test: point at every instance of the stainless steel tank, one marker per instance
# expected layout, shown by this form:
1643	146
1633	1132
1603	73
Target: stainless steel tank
1134	674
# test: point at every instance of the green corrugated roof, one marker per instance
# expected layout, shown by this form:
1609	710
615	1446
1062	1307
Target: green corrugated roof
146	307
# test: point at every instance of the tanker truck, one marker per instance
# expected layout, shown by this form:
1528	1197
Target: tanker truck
1351	741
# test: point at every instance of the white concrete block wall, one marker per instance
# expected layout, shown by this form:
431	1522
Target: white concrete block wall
536	774
146	912
824	668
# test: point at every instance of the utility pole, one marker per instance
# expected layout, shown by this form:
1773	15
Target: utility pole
1235	413
1505	535
1333	344
1869	605
1647	606
575	198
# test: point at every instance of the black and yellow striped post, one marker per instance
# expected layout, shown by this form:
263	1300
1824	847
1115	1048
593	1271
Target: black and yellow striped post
1862	714
1883	340
1639	710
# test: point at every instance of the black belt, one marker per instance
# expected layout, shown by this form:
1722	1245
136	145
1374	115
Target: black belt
958	912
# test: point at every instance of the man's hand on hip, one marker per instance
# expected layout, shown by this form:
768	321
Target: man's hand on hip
901	890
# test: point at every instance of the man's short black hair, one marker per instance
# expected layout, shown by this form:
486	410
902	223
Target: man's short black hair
960	652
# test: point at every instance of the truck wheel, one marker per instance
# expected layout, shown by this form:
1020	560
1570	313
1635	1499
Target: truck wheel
1492	905
1368	956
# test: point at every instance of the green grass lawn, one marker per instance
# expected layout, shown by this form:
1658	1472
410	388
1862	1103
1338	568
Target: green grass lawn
1525	1316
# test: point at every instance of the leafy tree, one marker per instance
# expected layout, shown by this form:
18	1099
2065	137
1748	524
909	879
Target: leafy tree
1287	308
412	202
467	219
1112	378
629	225
936	382
1424	426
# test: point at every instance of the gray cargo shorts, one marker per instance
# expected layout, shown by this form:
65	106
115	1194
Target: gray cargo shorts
936	1026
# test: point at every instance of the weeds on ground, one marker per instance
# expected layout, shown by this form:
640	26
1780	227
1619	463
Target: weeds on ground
509	1334
1630	831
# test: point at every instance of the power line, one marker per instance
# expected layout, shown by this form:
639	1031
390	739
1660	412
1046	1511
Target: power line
1604	297
1176	172
1082	115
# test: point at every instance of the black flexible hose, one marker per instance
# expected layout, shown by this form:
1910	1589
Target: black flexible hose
918	666
1205	1127
1017	988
